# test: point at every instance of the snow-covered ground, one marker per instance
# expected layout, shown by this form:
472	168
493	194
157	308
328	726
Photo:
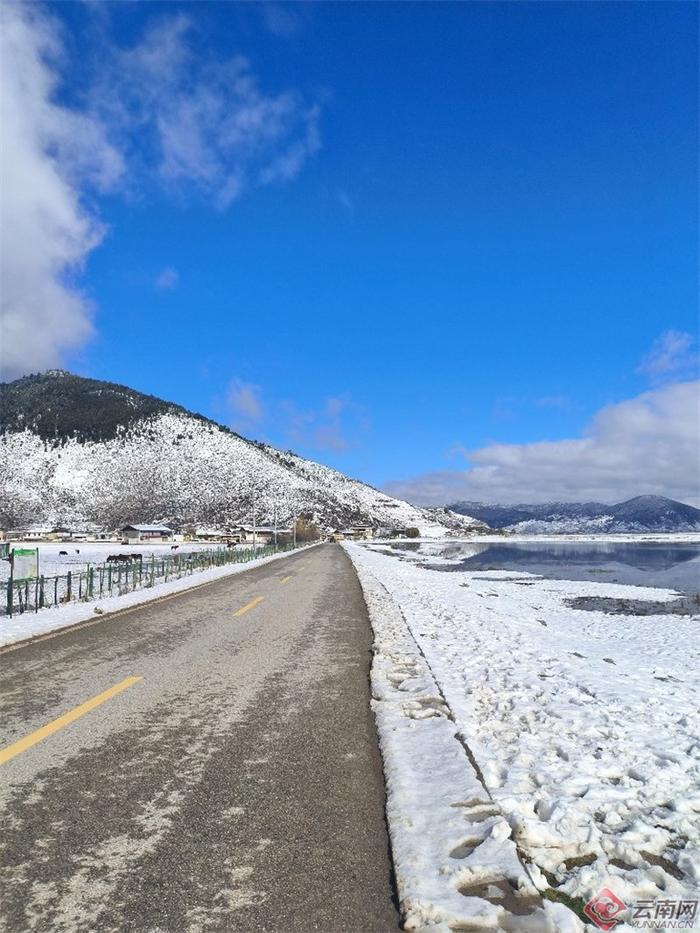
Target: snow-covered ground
583	726
31	624
657	537
78	555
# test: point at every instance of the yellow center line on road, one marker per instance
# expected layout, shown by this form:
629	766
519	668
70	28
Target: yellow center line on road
285	579
23	744
250	605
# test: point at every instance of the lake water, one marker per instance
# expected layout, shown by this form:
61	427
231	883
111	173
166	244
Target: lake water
675	566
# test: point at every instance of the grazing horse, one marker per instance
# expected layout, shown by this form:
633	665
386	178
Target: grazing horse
125	558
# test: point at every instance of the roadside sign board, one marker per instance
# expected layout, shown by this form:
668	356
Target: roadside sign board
25	563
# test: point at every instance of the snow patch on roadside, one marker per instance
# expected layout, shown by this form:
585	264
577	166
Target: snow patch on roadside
584	725
455	861
31	624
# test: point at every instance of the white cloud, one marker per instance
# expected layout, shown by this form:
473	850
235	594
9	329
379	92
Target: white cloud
648	444
281	20
335	405
47	231
244	401
561	402
346	202
335	425
167	280
331	425
330	437
162	110
671	356
204	122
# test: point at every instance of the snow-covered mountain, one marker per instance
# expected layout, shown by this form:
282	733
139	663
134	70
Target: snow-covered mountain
641	514
81	451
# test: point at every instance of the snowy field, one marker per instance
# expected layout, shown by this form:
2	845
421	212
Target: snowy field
512	725
81	554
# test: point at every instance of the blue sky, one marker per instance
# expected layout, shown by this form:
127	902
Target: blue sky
390	236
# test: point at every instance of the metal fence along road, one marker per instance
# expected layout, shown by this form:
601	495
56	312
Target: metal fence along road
115	579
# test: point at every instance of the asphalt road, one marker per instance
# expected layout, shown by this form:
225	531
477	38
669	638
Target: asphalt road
212	764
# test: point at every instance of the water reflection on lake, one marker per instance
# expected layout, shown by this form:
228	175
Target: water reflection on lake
676	566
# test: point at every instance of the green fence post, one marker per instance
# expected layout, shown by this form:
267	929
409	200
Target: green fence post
70	587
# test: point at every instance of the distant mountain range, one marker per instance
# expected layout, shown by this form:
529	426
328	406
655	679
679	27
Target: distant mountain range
641	514
88	453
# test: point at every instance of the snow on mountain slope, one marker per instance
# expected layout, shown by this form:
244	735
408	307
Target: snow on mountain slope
169	465
641	514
